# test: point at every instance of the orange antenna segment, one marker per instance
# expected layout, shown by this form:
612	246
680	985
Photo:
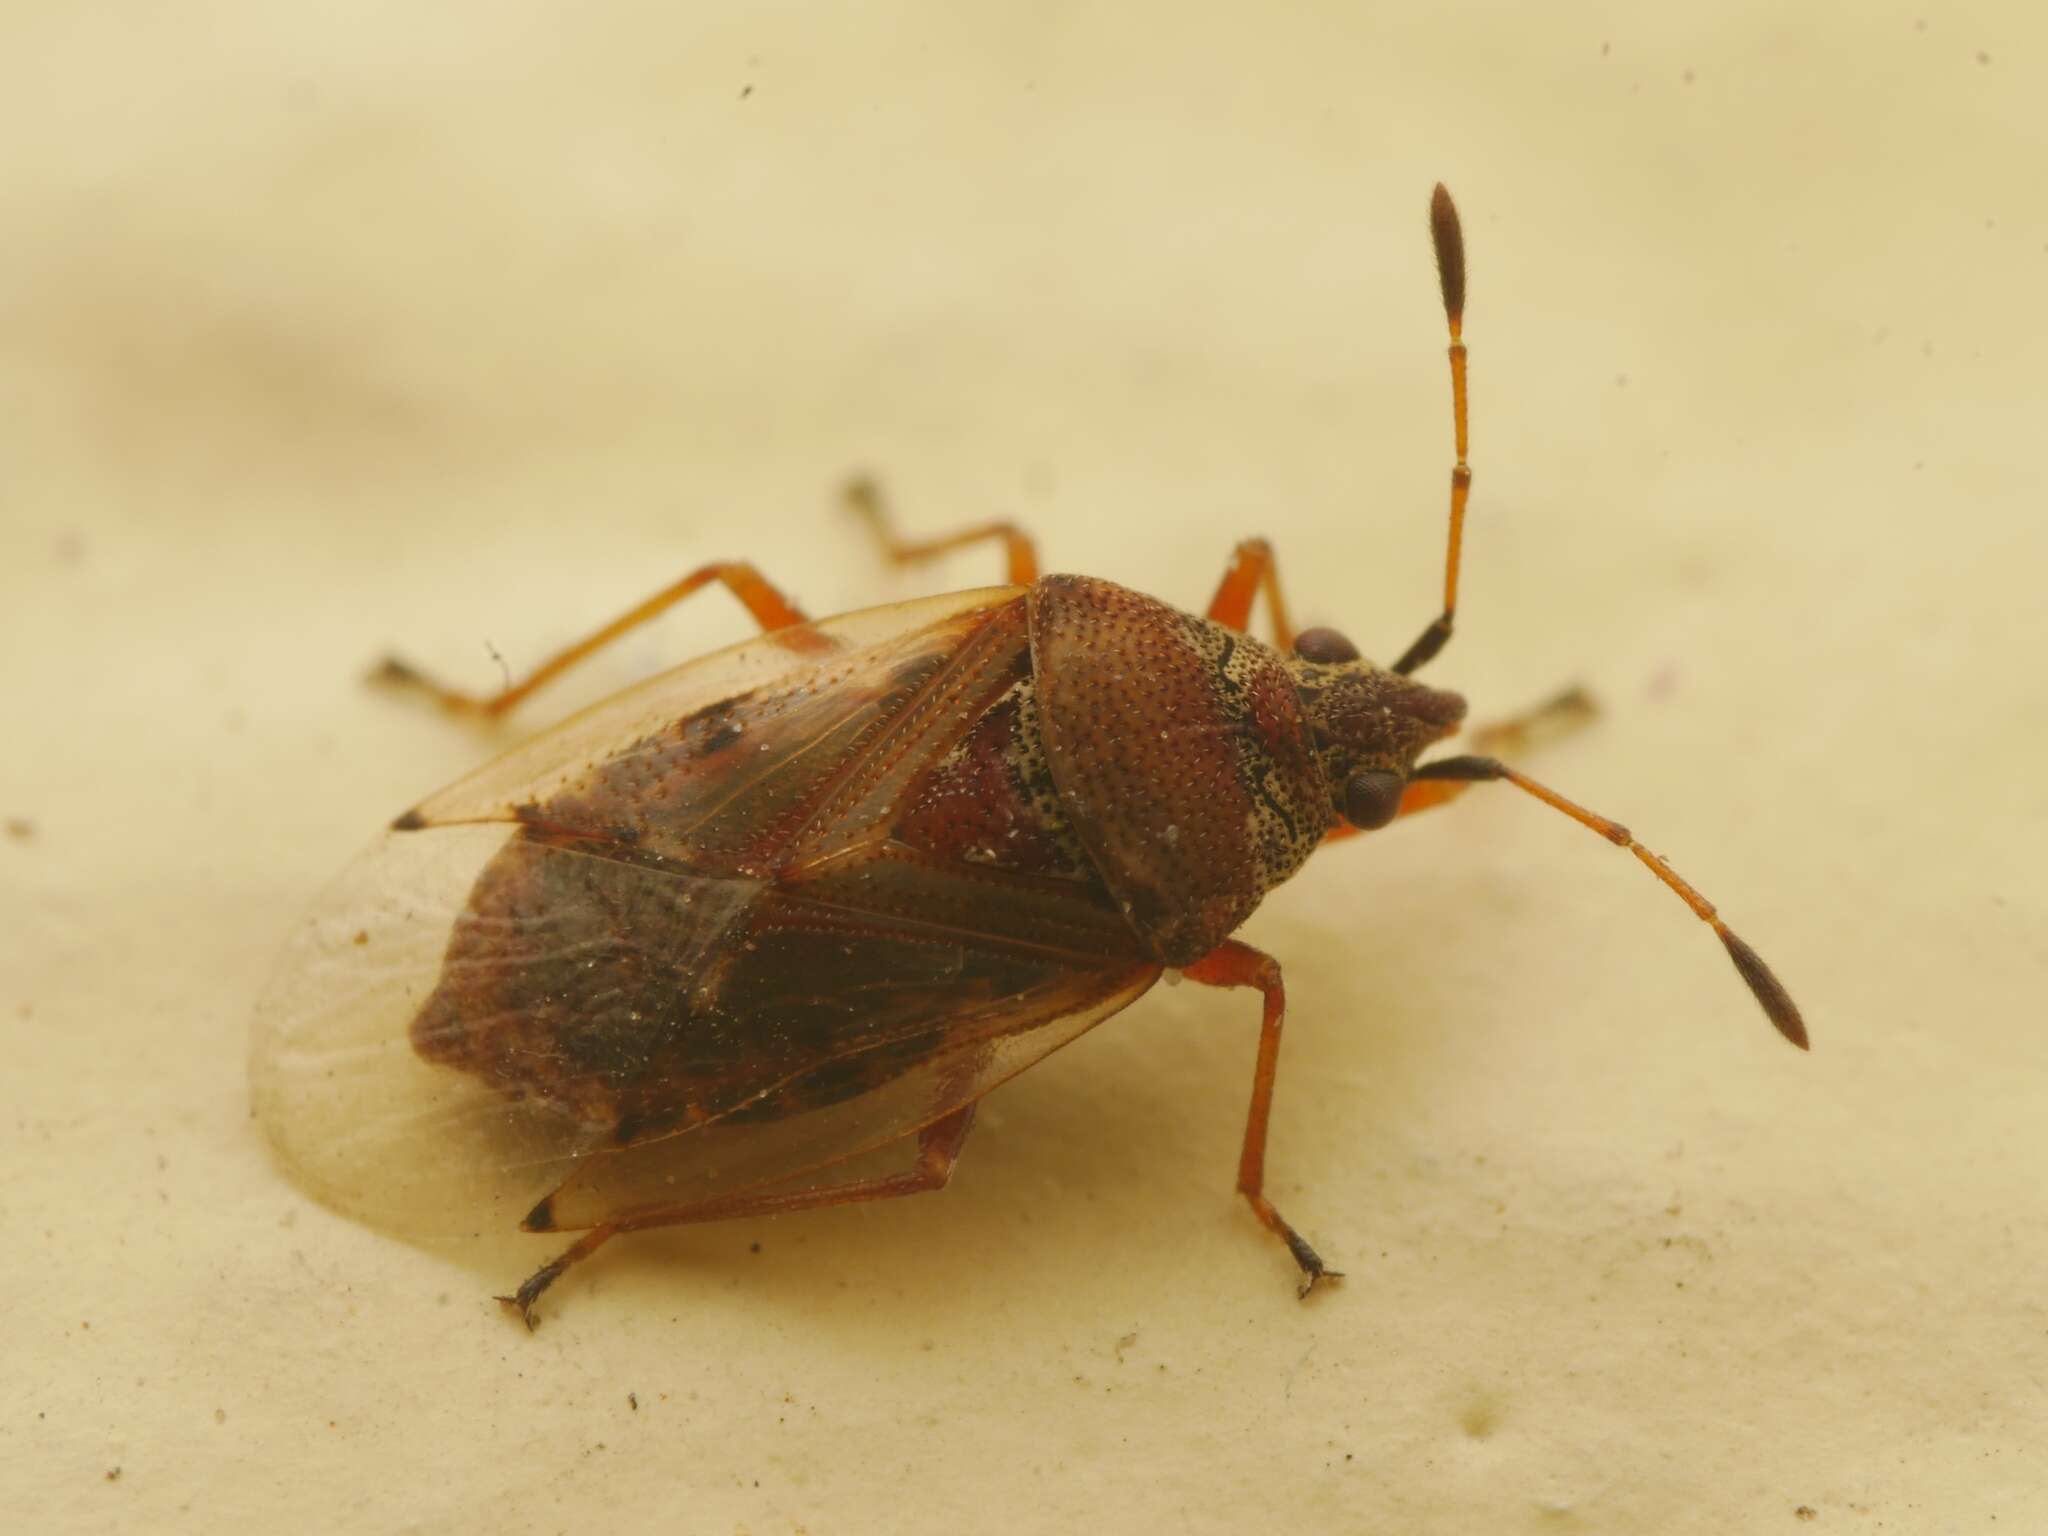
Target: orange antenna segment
1769	992
1450	270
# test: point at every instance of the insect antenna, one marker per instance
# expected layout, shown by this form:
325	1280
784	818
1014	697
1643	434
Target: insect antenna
1769	991
1450	272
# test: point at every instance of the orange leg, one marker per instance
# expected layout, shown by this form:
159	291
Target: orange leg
863	496
771	610
1252	571
938	1147
1414	797
1566	711
1231	964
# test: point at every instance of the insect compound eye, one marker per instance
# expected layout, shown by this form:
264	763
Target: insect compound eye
1324	645
1372	796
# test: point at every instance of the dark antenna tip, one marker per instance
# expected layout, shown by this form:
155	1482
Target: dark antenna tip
1450	251
1770	992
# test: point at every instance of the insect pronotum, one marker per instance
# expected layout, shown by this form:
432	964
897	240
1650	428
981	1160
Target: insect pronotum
709	948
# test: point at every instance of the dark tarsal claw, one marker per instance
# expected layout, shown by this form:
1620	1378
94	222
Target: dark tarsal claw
1313	1270
521	1301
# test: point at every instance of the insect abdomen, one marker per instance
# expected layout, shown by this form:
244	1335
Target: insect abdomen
781	900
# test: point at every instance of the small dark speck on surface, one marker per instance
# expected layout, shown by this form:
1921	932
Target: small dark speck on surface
633	1401
1983	57
504	666
746	91
113	1474
1805	1512
1688	77
753	1247
20	828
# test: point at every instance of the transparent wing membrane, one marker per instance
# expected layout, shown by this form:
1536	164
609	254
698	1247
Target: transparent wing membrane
670	950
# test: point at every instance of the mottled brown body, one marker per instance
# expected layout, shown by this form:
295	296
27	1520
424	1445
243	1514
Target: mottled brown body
695	953
793	896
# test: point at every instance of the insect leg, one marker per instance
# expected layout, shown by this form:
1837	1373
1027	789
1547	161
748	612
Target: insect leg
1252	571
862	495
1231	964
1450	271
1414	797
771	610
1560	715
938	1148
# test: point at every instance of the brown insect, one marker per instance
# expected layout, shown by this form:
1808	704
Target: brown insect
700	950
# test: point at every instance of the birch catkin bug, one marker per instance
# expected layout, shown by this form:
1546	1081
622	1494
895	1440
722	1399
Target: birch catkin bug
700	950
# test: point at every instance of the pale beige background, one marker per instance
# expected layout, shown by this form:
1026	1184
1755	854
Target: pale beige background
323	331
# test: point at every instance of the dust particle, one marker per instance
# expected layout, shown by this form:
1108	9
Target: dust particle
20	828
633	1401
113	1474
1805	1512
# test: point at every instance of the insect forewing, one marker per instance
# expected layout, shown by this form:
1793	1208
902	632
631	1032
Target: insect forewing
814	1147
358	1117
826	654
532	931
